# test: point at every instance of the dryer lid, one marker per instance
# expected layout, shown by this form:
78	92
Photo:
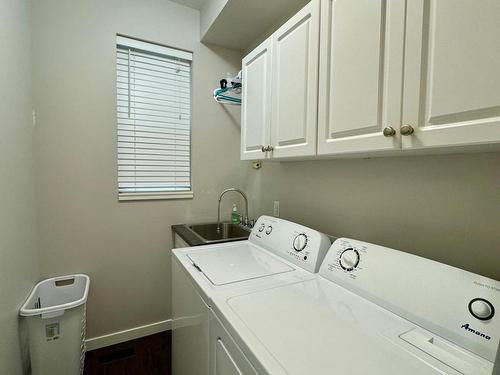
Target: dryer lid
317	327
237	263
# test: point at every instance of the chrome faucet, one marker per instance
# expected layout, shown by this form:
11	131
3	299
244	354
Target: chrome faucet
245	219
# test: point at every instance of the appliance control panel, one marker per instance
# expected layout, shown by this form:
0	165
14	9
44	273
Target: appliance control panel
458	305
300	245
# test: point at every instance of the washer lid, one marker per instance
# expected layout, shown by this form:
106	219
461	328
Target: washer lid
231	264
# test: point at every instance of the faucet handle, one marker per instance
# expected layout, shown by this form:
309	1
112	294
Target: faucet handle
248	223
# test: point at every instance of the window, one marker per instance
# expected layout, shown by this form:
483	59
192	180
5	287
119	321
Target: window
153	86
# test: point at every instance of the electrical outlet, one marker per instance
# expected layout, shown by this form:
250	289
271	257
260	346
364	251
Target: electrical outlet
276	209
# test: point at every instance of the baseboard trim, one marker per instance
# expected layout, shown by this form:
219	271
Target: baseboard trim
128	334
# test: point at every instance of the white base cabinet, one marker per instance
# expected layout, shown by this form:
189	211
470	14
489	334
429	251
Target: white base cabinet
190	326
226	358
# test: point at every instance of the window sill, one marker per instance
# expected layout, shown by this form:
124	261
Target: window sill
155	196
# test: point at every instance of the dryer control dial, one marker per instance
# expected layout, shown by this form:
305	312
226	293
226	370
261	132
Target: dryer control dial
300	242
349	259
481	309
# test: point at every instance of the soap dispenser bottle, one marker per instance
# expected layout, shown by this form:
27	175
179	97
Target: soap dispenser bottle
235	215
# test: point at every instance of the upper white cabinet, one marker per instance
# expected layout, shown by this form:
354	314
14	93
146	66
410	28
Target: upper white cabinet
375	77
295	85
438	87
452	73
256	102
280	91
361	68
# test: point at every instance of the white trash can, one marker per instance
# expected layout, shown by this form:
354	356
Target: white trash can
55	311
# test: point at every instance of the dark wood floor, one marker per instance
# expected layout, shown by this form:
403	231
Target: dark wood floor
150	355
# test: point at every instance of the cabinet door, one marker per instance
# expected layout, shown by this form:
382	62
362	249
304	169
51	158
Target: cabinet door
256	102
451	91
190	325
224	362
226	358
361	66
295	84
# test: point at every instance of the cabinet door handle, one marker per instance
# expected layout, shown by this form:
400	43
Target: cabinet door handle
407	130
269	148
389	131
263	148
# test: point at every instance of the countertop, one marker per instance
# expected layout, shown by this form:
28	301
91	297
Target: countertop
187	235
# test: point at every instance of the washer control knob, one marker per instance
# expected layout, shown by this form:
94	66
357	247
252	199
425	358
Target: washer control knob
481	309
300	242
349	259
269	229
261	228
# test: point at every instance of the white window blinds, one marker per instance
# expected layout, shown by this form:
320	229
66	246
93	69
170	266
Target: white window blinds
153	85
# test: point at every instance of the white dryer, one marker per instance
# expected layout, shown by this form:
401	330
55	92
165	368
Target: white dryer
277	253
370	310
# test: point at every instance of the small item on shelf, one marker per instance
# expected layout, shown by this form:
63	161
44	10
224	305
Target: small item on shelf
229	91
235	215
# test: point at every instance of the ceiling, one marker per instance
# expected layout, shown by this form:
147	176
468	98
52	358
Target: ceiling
240	24
196	4
243	22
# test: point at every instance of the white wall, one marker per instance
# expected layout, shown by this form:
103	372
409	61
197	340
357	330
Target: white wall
18	254
443	207
124	247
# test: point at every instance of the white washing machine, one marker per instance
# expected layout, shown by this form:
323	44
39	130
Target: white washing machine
370	310
277	253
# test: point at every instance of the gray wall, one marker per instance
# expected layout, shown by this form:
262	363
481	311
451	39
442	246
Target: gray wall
443	207
18	253
123	246
208	13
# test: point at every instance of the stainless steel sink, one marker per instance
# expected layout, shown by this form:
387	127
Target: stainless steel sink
228	232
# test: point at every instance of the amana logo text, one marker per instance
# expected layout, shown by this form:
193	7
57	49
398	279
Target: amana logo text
471	330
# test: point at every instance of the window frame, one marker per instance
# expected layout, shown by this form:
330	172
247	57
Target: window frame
152	47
